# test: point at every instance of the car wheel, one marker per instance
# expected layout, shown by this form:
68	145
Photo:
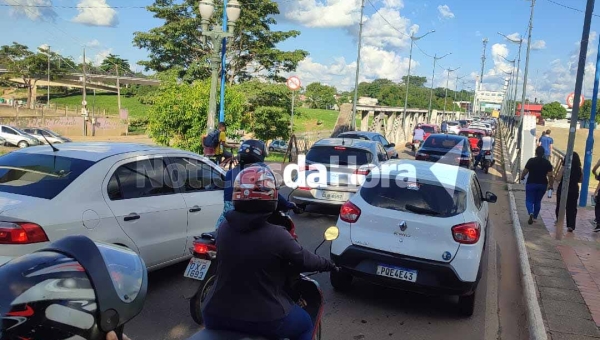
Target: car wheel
22	144
466	304
271	149
340	281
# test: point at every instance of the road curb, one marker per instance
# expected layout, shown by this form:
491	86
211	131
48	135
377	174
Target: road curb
537	329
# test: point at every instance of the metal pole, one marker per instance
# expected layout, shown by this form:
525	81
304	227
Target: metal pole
84	93
212	103
94	114
448	84
223	66
118	89
432	78
485	41
514	104
574	115
292	120
589	143
355	101
48	100
412	41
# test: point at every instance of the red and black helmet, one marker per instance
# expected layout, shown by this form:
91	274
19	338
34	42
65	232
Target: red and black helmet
73	289
255	190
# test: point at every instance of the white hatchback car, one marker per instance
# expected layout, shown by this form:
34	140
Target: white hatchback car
150	199
425	232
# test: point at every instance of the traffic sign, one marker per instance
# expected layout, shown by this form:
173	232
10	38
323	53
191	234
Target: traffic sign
293	83
571	100
84	103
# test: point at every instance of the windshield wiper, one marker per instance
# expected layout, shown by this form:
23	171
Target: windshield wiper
419	210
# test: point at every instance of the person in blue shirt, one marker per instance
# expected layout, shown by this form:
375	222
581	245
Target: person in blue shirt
547	143
251	152
444	127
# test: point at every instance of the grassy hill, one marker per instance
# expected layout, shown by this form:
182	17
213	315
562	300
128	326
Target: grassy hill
106	101
306	120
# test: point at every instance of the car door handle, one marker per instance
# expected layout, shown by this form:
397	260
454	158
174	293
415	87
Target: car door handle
195	209
131	217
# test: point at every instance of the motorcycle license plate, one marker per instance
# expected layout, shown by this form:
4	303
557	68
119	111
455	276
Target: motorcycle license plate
488	157
197	269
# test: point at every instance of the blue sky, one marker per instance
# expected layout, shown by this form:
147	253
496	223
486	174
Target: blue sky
329	32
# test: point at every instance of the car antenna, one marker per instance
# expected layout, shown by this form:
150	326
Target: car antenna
54	149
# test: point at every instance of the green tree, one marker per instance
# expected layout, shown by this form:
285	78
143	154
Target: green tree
178	116
320	96
31	67
178	43
259	94
554	111
111	62
415	81
271	123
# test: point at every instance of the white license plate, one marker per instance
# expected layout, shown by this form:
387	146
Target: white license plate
332	195
488	157
197	269
397	273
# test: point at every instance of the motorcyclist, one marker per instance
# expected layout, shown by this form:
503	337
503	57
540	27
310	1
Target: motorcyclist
251	152
418	134
485	143
249	292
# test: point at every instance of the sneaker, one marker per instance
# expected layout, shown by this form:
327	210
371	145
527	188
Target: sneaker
597	229
530	219
570	230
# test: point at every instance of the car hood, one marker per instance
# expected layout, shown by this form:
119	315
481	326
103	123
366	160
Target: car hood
12	201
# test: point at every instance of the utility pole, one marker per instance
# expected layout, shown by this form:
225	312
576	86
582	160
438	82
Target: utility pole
435	59
447	84
48	100
84	102
574	116
118	89
478	88
355	101
407	84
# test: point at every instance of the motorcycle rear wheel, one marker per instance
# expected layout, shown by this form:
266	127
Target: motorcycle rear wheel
198	298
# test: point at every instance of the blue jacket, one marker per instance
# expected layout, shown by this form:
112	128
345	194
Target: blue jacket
228	194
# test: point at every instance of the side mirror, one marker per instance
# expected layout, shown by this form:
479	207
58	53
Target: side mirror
391	145
489	197
331	233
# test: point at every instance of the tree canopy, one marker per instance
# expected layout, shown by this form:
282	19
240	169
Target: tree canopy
554	110
179	45
110	63
320	96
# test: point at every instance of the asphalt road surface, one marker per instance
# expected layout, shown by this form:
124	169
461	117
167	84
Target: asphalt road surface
368	311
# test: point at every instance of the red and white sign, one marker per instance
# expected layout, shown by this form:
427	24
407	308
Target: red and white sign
571	100
293	83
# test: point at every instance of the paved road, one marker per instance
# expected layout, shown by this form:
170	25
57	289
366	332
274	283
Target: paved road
372	312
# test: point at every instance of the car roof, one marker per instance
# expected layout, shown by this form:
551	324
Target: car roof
445	174
368	134
346	142
95	151
446	135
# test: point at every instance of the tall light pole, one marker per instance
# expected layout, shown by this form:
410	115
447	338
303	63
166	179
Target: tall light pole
520	42
48	100
456	85
412	42
216	37
355	101
435	59
512	73
448	84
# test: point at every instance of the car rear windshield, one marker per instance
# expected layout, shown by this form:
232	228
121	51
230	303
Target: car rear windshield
428	129
339	155
470	134
423	198
442	142
355	137
42	176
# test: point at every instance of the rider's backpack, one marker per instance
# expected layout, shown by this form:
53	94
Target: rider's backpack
212	139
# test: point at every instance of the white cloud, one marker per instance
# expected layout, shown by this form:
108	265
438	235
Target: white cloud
445	11
93	43
43	47
538	45
97	59
32	9
330	13
92	13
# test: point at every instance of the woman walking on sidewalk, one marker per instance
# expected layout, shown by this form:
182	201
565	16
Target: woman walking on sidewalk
539	170
573	194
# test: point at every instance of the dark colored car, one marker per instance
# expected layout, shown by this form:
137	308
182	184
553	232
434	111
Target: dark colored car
448	149
372	136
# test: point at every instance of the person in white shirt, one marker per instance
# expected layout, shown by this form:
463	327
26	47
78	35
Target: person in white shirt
486	143
419	134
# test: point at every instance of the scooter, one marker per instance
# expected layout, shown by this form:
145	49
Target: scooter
416	144
203	267
487	161
305	291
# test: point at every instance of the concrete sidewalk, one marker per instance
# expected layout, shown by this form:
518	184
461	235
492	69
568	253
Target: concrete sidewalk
566	272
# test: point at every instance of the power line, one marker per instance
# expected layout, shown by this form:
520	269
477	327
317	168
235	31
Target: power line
430	56
386	20
569	7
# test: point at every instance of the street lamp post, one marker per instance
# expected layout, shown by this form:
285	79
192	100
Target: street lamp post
448	84
412	42
512	73
520	42
435	59
216	37
456	90
48	100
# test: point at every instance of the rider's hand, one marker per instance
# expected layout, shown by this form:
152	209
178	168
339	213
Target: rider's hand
113	336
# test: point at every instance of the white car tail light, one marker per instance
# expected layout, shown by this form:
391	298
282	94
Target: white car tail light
349	213
467	233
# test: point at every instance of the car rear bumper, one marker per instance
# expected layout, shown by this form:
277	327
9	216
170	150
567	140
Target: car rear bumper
310	197
432	277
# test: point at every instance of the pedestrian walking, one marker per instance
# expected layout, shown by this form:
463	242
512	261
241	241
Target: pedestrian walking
538	171
573	194
444	127
547	143
596	198
537	141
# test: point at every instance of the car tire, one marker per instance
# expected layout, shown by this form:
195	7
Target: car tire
271	149
340	281
466	304
22	144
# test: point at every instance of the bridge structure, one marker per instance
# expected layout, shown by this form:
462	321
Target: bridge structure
389	120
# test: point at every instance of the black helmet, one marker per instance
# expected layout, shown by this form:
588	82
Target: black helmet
252	151
74	289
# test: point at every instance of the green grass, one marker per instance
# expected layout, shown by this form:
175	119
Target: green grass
306	119
274	157
106	101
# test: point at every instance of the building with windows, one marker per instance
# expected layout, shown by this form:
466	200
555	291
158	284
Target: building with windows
487	101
